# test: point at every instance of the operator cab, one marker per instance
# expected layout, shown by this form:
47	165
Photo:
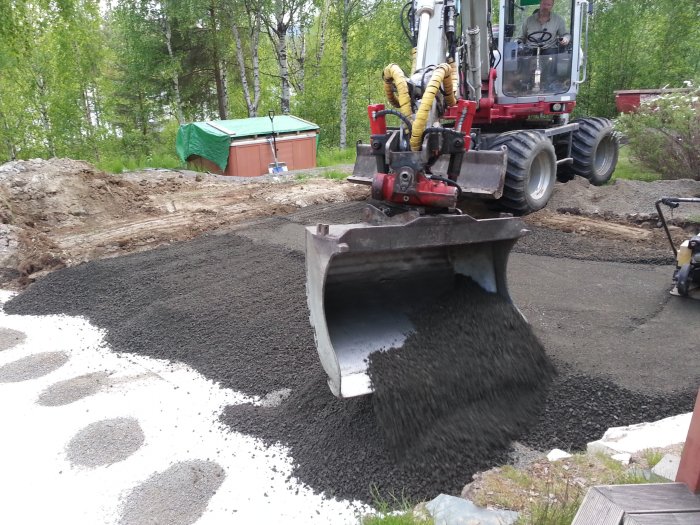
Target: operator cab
537	65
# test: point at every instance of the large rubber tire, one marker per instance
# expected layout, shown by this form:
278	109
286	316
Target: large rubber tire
683	282
531	171
594	148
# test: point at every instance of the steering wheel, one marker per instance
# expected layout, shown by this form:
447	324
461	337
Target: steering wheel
539	38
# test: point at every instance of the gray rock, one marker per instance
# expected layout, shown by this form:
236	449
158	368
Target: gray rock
450	510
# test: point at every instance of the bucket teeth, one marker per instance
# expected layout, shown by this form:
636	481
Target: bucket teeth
365	283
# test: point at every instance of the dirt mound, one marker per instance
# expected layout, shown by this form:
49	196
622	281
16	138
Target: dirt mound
61	212
623	199
471	377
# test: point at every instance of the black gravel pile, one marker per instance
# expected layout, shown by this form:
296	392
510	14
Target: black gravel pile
471	377
580	408
233	310
338	449
236	312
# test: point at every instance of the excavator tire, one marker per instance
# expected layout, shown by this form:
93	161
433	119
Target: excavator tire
595	149
531	171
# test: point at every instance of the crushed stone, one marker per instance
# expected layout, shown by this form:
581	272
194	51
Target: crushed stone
236	312
32	366
471	377
105	442
74	389
177	496
10	338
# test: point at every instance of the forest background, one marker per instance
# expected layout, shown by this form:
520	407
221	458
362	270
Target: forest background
110	82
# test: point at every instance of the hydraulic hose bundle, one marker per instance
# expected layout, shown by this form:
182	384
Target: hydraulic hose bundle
394	78
442	76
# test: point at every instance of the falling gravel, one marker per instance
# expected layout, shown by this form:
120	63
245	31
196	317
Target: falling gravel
235	310
470	377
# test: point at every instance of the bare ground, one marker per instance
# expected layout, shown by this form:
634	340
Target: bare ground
61	212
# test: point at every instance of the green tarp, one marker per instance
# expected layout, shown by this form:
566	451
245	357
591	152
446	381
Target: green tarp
212	140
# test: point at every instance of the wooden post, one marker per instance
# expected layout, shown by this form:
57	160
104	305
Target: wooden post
689	469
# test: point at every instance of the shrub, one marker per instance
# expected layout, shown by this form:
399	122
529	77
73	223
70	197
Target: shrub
664	134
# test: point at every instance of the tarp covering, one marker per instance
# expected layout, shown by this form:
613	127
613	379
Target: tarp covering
212	140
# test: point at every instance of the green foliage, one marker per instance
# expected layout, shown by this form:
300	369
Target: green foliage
335	156
392	510
551	514
652	457
406	518
664	134
630	168
336	175
103	86
636	44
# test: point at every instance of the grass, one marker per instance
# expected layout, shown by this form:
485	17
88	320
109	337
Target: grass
336	175
652	457
628	169
394	511
407	518
550	493
121	164
334	156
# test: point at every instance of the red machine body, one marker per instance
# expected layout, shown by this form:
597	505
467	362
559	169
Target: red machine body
392	187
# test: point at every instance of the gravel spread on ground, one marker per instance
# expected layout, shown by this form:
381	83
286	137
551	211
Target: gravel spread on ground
470	378
177	496
105	442
235	310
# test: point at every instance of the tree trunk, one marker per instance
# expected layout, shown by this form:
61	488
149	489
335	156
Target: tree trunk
251	101
255	40
45	120
322	35
219	69
176	77
284	67
344	81
11	148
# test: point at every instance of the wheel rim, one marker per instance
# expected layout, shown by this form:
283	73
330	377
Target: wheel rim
540	176
604	155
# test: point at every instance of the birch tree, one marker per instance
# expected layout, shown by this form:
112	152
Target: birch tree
251	16
284	14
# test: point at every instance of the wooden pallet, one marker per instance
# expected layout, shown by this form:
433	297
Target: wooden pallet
646	504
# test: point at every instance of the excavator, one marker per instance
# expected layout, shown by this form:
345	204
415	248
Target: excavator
483	115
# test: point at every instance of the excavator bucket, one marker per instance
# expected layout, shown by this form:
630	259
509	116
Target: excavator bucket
364	282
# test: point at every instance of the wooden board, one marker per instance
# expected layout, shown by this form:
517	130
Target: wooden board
646	503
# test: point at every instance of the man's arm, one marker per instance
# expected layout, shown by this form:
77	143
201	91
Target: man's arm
562	34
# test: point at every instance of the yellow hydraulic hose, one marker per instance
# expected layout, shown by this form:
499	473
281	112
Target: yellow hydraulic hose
394	77
455	77
441	72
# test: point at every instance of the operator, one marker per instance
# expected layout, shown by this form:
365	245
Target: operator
542	22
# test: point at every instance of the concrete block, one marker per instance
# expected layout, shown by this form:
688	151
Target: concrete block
667	468
635	438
